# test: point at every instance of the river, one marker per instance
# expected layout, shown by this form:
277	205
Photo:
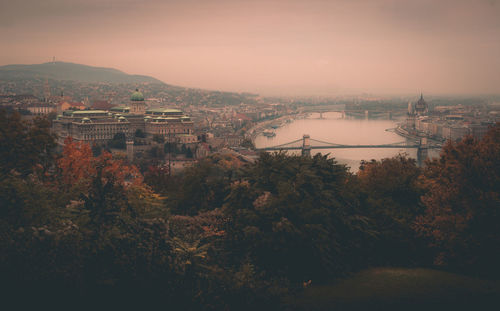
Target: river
349	131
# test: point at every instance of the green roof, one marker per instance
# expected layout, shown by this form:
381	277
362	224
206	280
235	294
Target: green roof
120	108
163	110
137	96
87	112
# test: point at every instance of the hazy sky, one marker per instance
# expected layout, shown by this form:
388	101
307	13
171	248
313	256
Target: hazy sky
270	47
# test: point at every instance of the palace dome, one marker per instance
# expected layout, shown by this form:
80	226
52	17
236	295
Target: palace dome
137	96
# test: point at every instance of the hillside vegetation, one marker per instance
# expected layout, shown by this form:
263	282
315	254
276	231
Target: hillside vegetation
71	71
79	226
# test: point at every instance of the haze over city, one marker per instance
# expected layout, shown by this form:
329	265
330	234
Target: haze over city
269	47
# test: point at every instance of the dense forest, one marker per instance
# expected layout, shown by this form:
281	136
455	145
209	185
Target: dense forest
226	235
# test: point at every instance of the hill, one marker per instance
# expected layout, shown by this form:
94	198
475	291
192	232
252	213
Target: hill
73	72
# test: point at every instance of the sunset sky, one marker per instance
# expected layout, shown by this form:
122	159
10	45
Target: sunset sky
270	47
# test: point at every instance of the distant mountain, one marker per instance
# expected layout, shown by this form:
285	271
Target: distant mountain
73	72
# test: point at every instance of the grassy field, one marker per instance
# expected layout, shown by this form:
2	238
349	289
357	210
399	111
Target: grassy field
402	289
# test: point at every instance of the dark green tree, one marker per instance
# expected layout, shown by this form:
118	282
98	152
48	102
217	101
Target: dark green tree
96	150
24	145
204	186
140	133
462	204
295	217
158	139
390	194
118	141
189	153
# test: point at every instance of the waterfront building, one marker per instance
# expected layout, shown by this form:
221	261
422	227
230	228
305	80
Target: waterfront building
455	132
421	107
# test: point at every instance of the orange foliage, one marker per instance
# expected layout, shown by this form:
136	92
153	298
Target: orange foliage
76	162
78	165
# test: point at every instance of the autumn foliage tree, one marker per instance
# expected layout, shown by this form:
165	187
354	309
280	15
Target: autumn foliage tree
108	186
463	203
78	164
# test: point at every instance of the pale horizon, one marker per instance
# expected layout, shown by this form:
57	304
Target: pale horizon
269	47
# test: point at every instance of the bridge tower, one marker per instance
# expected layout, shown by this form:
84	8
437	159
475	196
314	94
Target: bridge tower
306	145
422	151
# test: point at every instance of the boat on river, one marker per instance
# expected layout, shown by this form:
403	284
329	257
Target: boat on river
268	133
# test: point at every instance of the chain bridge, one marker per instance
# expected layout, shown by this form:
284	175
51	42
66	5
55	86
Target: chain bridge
306	144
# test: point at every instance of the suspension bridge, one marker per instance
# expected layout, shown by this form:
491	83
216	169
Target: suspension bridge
306	144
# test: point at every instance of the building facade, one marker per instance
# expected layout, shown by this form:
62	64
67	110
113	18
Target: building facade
101	126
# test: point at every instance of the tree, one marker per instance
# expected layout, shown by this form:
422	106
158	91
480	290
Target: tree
461	204
140	133
24	145
247	143
118	141
96	150
158	177
171	147
390	194
204	186
294	217
76	163
158	139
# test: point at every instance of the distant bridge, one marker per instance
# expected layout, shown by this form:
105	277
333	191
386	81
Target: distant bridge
305	145
360	113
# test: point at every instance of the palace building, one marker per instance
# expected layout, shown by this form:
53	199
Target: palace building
101	126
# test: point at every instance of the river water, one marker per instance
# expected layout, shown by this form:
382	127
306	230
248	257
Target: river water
333	128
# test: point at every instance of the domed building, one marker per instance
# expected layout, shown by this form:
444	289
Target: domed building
137	104
416	110
100	126
421	107
136	96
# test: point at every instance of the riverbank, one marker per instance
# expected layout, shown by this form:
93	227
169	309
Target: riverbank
260	127
401	131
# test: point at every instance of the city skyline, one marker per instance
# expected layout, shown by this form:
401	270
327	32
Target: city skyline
273	48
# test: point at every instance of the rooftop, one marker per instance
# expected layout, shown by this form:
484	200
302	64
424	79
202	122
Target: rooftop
163	110
77	113
137	96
